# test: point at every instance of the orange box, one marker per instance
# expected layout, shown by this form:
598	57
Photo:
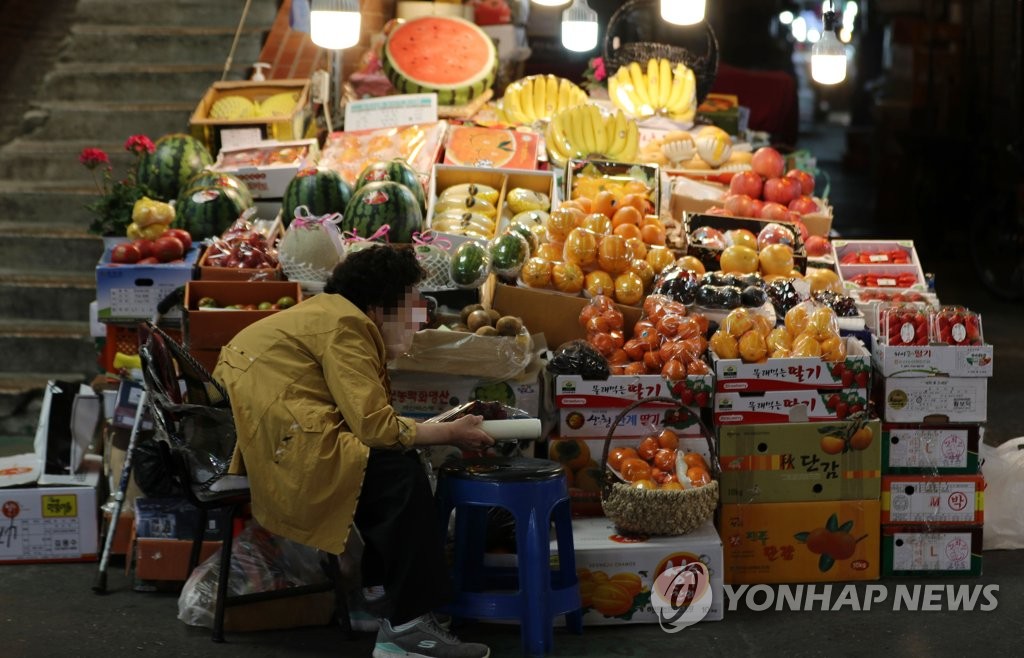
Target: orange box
826	541
214	328
473	146
167	559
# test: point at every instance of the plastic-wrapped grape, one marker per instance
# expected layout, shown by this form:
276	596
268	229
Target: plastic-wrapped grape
753	297
679	284
843	305
746	280
783	295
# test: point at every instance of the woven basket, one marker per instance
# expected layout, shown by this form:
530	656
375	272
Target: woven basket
636	33
654	512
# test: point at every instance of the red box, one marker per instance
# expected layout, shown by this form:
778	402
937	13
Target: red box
212	329
787	406
794	373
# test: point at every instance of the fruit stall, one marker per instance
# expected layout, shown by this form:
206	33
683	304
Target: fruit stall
665	294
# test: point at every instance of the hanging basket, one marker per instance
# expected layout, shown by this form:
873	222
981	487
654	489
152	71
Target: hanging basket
637	33
655	512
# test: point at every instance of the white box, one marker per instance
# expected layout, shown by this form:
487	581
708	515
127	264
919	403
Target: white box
268	167
49	524
922	360
424	395
952	399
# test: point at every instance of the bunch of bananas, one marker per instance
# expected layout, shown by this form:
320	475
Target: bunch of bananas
662	89
580	131
537	97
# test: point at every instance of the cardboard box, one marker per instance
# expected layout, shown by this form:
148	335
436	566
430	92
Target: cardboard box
595	421
931	552
49	524
930	449
546	311
445	176
795	462
424	395
572	391
538	181
131	292
127	405
268	168
292	126
474	146
795	373
767	542
161	559
797	406
933	500
175	518
710	256
214	328
879	264
694	196
122	542
933	399
617	171
925	360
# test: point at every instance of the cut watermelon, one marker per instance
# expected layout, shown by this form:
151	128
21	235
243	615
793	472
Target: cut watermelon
445	55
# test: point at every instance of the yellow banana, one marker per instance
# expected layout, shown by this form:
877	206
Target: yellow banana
678	88
526	101
627	98
574	129
619	141
589	128
550	96
609	130
665	80
600	129
540	93
510	104
556	148
628	153
564	94
690	95
636	74
653	82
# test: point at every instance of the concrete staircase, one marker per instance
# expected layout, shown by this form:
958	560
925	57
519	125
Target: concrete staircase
91	73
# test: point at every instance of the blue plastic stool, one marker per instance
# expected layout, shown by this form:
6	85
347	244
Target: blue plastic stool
535	492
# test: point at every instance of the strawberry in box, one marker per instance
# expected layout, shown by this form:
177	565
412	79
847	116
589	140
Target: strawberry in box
956	325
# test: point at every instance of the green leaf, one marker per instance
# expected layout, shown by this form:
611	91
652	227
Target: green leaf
833	524
825	563
846	527
506	146
801	537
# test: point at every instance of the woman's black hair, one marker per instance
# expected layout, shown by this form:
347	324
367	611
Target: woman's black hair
377	276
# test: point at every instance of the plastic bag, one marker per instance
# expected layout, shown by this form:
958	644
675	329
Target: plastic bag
311	247
261	562
578	357
1004	477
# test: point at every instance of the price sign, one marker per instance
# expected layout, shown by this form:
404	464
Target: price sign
389	111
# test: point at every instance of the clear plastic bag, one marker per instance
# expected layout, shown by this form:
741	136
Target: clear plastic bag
1004	476
261	562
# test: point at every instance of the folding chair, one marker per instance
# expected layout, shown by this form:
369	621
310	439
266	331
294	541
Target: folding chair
196	433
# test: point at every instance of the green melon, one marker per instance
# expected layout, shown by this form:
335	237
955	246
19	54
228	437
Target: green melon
322	191
210	178
383	203
175	159
449	56
530	236
508	253
397	170
208	212
471	263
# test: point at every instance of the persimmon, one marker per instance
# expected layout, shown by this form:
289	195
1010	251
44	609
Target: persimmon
665	459
617	455
668	439
648	447
634	468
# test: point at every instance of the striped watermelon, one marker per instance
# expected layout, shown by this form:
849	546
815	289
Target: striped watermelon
383	203
323	191
208	212
175	159
441	54
211	178
399	171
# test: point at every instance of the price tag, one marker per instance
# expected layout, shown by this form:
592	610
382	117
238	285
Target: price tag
389	111
234	138
887	282
878	258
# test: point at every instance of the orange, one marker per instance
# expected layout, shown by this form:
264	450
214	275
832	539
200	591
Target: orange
653	234
691	263
628	231
636	246
634	468
647	483
737	258
725	346
762	324
536	272
637	201
567	277
805	345
550	250
597	223
635	368
643	270
742	236
598	282
602	342
636	187
671	485
613	253
673	370
580	248
584	203
605	203
694	459
618	357
752	346
573	203
627	215
776	259
796	320
778	339
648	447
737	323
560	222
665	459
629	288
660	257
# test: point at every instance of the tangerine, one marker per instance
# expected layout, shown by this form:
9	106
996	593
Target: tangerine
737	258
647	483
605	203
637	247
724	345
694	459
550	250
628	231
560	222
598	282
738	322
629	288
567	277
671	485
627	215
673	370
698	475
665	459
691	263
668	439
597	223
617	455
741	236
776	259
634	200
753	348
653	234
648	447
644	270
580	248
660	257
613	254
536	272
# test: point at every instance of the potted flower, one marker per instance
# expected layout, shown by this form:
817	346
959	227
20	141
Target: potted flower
595	78
112	211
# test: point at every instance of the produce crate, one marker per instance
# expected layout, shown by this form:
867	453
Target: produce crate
903	275
710	256
124	338
282	128
131	292
618	171
214	328
268	168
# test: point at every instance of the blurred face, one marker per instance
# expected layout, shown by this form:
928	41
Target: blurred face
397	326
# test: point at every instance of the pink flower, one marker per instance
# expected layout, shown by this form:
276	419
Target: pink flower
599	72
93	158
139	143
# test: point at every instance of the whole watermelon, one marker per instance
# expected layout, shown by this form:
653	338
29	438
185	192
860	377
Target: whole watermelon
397	170
323	191
210	178
383	203
175	159
208	212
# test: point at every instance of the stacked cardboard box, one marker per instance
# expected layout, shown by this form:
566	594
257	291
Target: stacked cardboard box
801	469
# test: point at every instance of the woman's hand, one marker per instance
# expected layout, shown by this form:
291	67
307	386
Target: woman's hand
464	433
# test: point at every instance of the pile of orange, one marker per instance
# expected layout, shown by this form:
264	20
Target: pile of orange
809	330
653	464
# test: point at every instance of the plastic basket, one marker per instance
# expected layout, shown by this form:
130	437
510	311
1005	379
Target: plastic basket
654	512
124	339
636	33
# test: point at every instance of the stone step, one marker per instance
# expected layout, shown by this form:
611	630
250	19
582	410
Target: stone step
47	248
46	295
57	160
149	44
181	12
110	120
57	203
37	345
166	83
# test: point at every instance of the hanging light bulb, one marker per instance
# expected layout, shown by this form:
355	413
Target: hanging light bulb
551	3
579	27
828	55
334	24
683	12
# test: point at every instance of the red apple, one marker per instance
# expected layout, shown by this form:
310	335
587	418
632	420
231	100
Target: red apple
145	247
803	204
817	246
167	248
746	182
758	206
125	252
181	234
774	211
781	190
739	205
768	162
806	180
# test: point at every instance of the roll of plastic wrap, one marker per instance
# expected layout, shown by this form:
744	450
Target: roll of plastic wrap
513	430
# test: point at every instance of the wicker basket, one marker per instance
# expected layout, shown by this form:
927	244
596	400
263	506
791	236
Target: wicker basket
636	33
654	512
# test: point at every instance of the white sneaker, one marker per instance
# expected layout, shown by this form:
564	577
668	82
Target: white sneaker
424	639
